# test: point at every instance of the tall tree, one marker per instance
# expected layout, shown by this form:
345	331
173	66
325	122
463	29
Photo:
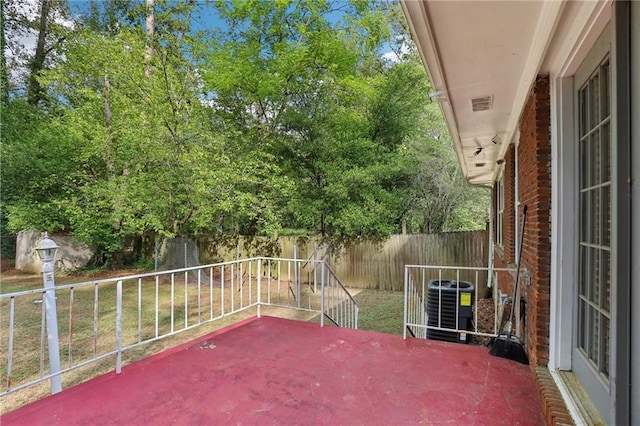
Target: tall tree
286	117
275	73
47	22
34	91
38	161
4	76
152	161
150	31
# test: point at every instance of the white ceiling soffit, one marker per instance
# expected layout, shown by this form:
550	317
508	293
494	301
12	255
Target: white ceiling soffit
482	56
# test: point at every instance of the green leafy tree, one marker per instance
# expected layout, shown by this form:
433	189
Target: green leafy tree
282	75
38	164
149	150
286	117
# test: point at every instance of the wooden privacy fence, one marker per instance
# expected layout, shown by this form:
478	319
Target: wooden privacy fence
367	264
381	266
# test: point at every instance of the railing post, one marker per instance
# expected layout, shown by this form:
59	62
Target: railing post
296	274
423	300
12	304
406	284
357	311
315	267
119	327
52	327
324	266
259	285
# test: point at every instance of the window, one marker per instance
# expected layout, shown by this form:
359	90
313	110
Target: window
594	245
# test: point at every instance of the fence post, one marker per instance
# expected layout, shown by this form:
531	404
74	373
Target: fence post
119	327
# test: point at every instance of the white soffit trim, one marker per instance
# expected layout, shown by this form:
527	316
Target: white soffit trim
547	22
430	36
420	28
583	23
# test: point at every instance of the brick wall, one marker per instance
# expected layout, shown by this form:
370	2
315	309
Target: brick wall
505	255
534	180
535	191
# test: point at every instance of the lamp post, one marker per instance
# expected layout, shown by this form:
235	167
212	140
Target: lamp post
47	249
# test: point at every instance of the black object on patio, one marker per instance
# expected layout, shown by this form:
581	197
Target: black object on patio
448	300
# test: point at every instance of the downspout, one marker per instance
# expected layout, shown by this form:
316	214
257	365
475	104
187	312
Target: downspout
516	227
516	202
491	247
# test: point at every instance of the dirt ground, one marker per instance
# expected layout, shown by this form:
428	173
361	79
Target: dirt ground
485	309
7	265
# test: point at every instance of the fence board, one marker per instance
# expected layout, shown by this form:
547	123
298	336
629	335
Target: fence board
372	265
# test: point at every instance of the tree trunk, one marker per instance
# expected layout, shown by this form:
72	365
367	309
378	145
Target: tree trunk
35	93
150	28
4	77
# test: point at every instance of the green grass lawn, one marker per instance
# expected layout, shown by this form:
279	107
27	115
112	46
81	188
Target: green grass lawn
380	311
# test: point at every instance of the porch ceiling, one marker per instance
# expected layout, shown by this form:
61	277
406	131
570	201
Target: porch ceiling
482	49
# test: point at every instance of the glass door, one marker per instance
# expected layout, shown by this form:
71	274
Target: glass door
592	352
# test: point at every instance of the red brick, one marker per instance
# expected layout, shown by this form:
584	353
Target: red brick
534	153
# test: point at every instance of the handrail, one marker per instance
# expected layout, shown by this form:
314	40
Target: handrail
334	275
351	305
109	316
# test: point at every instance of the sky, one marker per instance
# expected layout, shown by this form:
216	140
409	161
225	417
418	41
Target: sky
204	18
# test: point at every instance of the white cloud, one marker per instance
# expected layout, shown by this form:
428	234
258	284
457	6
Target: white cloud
394	57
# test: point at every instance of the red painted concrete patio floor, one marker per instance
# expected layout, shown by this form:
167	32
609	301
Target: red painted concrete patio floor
275	371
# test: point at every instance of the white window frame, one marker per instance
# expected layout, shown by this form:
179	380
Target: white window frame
564	197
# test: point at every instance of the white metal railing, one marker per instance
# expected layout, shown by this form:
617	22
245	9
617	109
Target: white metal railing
441	302
103	318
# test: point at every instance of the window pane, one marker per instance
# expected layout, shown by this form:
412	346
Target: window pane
595	216
594	101
596	278
594	341
605	131
584	124
588	347
594	160
582	324
584	162
584	204
606	88
604	366
606	216
584	271
606	282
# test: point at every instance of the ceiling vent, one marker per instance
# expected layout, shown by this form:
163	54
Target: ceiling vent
482	104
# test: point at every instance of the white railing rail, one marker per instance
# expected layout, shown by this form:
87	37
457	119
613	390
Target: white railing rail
441	302
104	318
